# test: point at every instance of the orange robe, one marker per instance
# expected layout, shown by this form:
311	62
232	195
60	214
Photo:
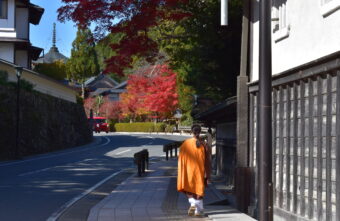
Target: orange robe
191	168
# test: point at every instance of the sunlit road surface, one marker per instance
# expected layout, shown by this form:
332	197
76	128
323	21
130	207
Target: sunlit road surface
35	188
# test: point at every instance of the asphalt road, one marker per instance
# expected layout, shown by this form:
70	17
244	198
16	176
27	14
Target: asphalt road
36	188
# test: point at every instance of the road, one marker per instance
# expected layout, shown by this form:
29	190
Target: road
37	187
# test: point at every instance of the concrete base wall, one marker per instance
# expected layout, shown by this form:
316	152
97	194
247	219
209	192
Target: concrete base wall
282	215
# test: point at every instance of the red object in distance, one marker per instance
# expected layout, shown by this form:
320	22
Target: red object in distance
100	124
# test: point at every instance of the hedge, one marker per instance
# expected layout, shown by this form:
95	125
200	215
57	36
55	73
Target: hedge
139	127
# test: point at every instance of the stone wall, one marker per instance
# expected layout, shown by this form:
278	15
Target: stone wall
46	123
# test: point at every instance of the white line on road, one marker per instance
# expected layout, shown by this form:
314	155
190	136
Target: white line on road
54	155
62	209
123	152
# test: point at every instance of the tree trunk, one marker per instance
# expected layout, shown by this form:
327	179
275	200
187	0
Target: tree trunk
83	90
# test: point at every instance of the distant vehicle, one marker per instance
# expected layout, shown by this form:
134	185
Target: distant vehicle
100	124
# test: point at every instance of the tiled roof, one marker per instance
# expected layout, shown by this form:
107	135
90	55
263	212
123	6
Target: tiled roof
52	56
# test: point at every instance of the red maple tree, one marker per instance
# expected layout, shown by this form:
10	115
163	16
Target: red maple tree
133	18
152	91
110	109
162	92
132	101
89	103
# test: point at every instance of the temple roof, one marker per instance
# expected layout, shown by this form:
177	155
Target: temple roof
53	55
222	112
121	86
100	81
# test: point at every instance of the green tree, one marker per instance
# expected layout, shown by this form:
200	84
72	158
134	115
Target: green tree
83	62
104	52
56	70
205	55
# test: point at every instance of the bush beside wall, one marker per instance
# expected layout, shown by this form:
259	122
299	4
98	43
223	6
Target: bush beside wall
139	127
46	123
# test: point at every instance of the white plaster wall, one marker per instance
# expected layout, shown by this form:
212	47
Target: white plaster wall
21	58
7	52
41	83
22	23
311	36
254	41
7	26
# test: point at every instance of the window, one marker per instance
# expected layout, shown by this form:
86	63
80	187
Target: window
3	9
279	17
329	6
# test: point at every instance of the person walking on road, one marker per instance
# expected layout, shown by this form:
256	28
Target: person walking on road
192	171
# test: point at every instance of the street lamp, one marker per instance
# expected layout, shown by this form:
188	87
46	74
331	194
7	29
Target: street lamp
18	72
264	136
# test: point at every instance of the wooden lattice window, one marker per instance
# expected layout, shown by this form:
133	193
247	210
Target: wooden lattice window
306	134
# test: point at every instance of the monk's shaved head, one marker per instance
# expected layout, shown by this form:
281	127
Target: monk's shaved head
196	129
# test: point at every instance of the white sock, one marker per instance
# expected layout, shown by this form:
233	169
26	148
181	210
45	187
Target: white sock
199	205
192	201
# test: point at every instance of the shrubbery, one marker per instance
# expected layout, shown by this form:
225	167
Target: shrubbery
139	127
169	128
55	70
3	77
26	85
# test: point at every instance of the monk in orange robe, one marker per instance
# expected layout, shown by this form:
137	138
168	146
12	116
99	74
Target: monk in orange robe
192	171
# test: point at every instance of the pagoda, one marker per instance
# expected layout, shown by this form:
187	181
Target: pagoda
53	54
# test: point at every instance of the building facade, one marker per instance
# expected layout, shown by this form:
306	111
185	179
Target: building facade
305	107
16	49
15	19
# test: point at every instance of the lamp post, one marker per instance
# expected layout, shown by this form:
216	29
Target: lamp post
264	136
18	71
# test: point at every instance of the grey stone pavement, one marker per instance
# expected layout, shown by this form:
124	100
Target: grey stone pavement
154	197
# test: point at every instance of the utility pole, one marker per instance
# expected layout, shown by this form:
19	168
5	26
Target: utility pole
243	172
264	136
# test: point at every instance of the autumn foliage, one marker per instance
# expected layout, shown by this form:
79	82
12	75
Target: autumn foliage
133	18
152	93
161	96
110	109
89	103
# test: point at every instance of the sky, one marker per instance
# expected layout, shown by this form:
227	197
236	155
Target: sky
41	34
